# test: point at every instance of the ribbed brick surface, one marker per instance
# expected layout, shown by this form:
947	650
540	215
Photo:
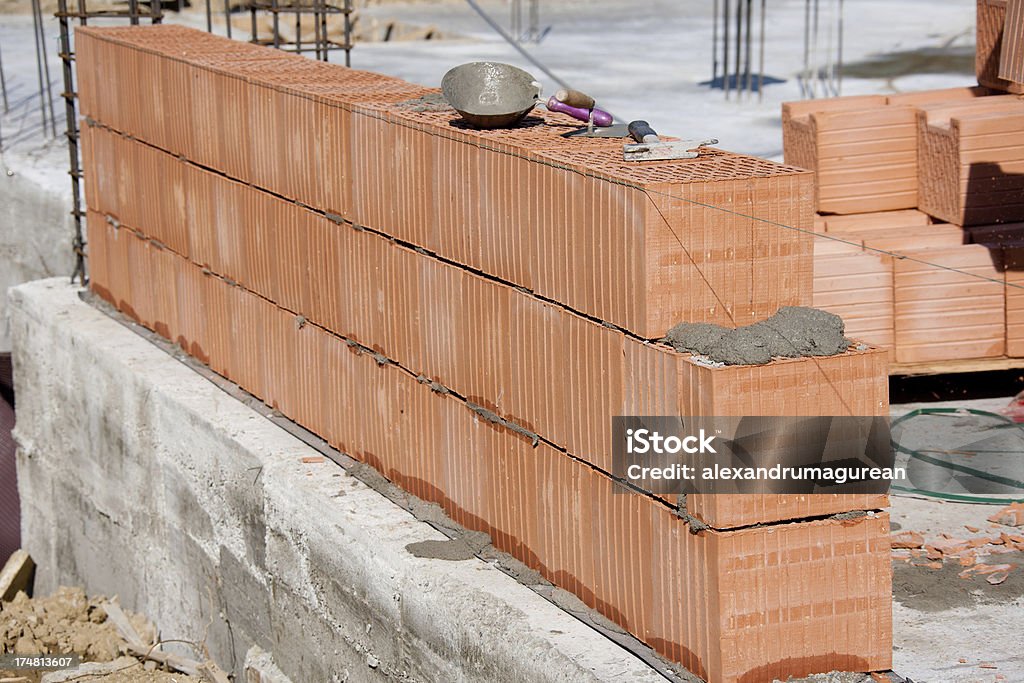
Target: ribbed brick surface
1011	55
858	286
862	148
1013	260
476	336
732	606
972	161
989	45
565	218
333	251
945	315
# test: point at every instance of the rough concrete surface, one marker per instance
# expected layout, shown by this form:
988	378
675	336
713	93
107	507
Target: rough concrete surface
938	622
35	234
142	479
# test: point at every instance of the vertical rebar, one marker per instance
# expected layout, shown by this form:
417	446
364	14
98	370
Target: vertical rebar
298	31
516	20
42	69
534	21
348	32
133	12
156	11
714	43
807	49
3	86
725	47
324	13
814	51
78	240
739	45
227	15
839	55
746	47
209	17
760	68
275	26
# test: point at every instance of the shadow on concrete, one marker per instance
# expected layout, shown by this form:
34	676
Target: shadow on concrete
735	81
928	60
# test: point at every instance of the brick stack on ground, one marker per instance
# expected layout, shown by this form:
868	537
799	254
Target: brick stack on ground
905	187
466	310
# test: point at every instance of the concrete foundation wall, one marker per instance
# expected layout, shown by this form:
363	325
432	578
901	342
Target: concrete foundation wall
35	232
142	479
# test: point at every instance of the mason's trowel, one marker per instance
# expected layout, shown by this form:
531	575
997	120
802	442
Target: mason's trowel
582	107
650	147
617	130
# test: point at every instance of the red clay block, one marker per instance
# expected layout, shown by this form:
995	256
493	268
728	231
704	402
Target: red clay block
1011	56
756	627
941	314
989	45
479	337
972	169
628	244
858	286
863	148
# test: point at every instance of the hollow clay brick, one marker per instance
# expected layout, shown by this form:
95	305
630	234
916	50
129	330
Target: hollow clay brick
862	148
989	46
971	161
630	244
759	603
1011	56
943	315
478	336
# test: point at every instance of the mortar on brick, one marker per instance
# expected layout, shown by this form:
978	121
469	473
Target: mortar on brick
793	332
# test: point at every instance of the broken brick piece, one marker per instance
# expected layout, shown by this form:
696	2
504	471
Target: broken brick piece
1011	515
907	539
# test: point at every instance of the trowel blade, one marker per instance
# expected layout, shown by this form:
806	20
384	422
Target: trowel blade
664	150
619	130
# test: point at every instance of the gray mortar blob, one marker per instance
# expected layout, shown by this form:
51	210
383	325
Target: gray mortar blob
742	346
695	337
794	331
811	331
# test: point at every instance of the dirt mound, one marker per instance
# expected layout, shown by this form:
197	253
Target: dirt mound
63	623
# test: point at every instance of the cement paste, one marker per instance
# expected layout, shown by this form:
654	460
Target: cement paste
793	332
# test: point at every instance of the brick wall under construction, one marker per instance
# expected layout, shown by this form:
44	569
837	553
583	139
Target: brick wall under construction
466	310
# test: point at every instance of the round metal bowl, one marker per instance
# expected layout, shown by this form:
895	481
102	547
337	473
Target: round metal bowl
490	94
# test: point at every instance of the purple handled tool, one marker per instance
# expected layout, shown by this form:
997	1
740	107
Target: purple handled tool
598	117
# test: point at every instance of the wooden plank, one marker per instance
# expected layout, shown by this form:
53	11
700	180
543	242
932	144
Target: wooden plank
16	575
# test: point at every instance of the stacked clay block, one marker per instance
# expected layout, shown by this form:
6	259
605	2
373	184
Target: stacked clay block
972	161
618	551
1011	53
466	310
863	149
901	179
434	183
942	313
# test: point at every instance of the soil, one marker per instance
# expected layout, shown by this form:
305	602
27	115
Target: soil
69	622
792	332
937	590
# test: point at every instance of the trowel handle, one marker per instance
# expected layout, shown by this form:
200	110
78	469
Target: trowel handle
601	118
575	98
642	132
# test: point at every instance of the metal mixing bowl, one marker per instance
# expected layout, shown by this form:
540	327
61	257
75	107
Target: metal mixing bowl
490	94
